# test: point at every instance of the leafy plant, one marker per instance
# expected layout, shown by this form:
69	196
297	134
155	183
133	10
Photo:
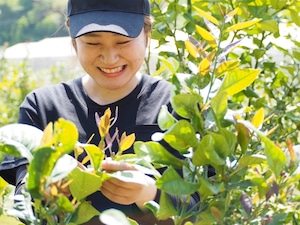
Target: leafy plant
239	109
223	122
57	184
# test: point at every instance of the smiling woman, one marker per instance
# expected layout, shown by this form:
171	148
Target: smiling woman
112	65
110	38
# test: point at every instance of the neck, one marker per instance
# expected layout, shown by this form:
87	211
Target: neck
104	96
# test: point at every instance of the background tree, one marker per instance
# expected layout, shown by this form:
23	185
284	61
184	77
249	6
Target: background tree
29	20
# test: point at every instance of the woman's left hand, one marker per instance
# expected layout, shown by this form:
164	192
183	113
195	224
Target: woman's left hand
124	192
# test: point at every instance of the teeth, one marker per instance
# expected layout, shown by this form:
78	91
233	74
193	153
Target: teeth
114	70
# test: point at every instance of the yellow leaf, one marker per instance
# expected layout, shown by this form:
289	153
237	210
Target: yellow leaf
105	123
126	141
47	138
207	16
216	213
192	49
291	150
272	130
226	66
204	66
207	36
53	190
243	25
211	55
232	13
85	160
258	118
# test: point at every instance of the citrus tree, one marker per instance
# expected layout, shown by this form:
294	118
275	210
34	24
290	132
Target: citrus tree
236	94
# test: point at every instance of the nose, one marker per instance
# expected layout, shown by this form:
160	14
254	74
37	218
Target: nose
109	56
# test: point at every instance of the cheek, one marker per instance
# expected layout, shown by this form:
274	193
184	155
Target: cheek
140	50
84	55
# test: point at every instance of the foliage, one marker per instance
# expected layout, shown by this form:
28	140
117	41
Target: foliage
270	46
18	79
15	82
28	20
239	108
57	184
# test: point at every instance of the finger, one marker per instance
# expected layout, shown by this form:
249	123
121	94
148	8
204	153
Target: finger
110	165
117	193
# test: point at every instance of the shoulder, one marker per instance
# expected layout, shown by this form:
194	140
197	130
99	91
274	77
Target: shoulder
155	84
55	90
151	80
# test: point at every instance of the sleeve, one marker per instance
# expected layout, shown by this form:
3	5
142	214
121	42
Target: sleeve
29	112
10	164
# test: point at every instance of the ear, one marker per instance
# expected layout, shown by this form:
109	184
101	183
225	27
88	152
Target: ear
74	44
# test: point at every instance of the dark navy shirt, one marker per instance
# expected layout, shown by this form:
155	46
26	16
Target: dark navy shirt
136	113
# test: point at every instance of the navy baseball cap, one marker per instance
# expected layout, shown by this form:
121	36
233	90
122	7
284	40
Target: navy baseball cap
125	17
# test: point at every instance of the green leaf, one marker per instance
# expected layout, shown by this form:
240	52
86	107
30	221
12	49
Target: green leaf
219	105
28	135
64	137
226	142
220	145
64	204
115	217
270	25
166	207
84	213
181	136
184	104
95	154
165	118
172	183
276	158
296	54
206	154
19	140
8	220
259	53
295	16
40	167
237	80
208	189
246	160
138	163
84	183
243	136
14	148
157	154
278	4
64	165
153	207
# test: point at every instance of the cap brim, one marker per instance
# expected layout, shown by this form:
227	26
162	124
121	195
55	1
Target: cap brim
127	24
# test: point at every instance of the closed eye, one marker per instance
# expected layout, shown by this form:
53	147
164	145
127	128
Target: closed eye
124	42
91	43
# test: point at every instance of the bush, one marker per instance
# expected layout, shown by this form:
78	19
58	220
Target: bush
240	112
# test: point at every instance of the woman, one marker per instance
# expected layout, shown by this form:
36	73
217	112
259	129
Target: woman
110	38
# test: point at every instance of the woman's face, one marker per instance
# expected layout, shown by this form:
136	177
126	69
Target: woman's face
112	60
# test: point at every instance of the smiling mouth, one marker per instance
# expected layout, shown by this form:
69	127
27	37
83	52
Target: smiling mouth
113	70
